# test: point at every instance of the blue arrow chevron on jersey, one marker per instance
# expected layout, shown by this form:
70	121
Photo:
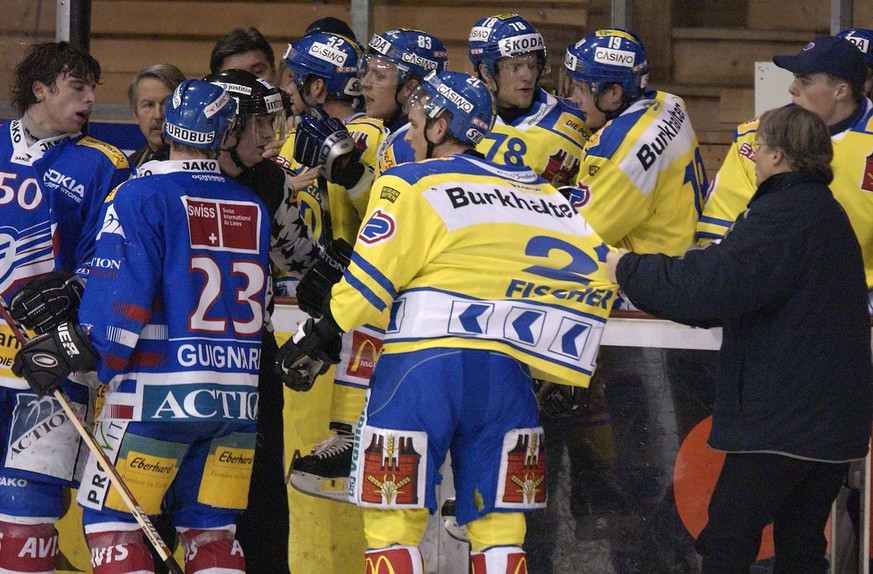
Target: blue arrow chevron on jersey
470	318
571	339
521	325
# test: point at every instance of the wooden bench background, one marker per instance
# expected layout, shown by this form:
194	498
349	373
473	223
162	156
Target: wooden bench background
702	50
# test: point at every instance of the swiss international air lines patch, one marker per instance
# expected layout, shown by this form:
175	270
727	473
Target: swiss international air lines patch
223	225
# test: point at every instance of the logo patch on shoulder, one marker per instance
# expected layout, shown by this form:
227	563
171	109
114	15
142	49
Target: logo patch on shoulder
378	228
389	194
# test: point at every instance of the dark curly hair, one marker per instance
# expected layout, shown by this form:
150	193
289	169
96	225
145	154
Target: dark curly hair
46	63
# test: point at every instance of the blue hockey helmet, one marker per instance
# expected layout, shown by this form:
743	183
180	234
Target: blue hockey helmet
198	114
861	37
411	52
467	98
610	56
329	56
504	36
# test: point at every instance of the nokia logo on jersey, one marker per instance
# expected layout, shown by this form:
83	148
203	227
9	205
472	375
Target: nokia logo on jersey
55	179
521	44
462	198
667	130
185	135
616	57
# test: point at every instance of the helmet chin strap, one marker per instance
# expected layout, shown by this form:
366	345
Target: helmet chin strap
431	145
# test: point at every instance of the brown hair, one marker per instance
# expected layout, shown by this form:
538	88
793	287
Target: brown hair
802	136
47	63
168	74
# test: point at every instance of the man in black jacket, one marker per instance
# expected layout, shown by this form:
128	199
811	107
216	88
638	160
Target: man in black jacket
794	395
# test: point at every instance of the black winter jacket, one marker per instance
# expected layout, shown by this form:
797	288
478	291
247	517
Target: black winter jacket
787	285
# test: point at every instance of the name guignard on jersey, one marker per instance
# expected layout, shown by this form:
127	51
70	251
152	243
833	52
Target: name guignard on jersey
483	203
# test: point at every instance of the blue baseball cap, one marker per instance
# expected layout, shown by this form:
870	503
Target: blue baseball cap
830	55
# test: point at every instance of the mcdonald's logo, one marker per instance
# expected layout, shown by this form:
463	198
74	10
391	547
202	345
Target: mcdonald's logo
404	562
382	565
365	353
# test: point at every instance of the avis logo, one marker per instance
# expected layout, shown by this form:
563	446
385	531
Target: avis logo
380	226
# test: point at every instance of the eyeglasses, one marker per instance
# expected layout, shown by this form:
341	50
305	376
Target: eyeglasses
757	144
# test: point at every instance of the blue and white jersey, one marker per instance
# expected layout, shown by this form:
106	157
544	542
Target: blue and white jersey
51	193
176	305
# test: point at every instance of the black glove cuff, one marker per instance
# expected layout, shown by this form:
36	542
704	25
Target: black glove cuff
350	174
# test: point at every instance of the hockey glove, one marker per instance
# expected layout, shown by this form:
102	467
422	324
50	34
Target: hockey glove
309	353
313	291
323	140
47	301
560	401
47	360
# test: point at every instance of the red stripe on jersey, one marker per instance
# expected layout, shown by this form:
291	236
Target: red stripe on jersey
145	359
133	312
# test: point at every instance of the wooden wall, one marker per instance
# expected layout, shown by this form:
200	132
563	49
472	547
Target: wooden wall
129	34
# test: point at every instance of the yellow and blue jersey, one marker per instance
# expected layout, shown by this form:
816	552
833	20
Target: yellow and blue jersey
549	140
342	216
642	182
507	265
852	185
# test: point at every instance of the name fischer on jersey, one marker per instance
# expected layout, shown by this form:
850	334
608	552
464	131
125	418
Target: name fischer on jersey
461	197
667	130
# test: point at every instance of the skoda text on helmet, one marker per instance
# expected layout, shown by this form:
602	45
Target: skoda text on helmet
503	36
611	56
198	114
413	53
465	97
331	57
862	38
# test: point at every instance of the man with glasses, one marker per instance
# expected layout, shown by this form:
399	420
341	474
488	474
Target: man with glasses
533	128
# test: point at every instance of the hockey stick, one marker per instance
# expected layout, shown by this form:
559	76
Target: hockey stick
103	459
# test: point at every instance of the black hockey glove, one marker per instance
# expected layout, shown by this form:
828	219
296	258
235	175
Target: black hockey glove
323	140
309	353
560	401
46	360
47	301
313	291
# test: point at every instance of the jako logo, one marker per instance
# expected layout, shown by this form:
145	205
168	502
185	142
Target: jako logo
380	226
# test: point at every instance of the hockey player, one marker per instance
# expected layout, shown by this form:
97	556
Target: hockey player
54	180
395	63
323	68
260	121
173	327
642	180
455	371
829	75
533	127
